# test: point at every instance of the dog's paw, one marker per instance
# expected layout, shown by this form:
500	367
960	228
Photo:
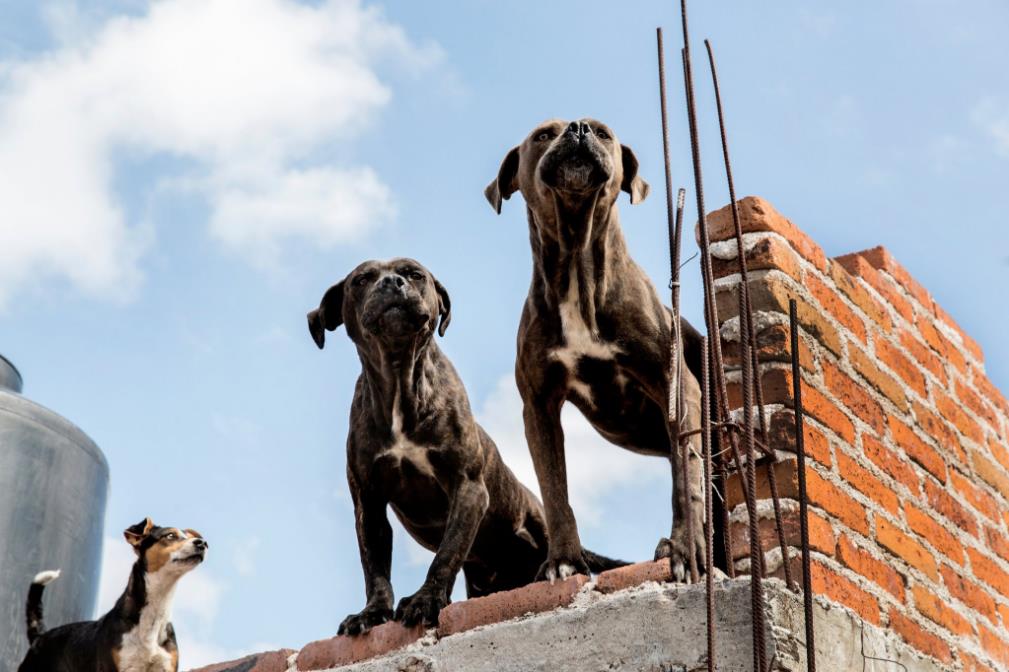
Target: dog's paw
422	607
358	624
562	568
678	550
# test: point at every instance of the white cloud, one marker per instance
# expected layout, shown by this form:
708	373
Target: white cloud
992	117
594	465
241	91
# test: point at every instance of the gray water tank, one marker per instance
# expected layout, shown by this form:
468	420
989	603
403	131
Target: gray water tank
53	485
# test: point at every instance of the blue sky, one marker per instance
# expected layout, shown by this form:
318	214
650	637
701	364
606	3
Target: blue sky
183	179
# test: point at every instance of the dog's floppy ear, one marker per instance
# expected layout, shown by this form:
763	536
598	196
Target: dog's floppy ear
135	534
632	184
444	307
506	183
328	316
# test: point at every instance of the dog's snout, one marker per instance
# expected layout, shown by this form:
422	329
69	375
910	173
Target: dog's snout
392	281
579	129
200	544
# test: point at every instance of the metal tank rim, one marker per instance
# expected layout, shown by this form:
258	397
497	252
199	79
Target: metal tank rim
9	364
15	404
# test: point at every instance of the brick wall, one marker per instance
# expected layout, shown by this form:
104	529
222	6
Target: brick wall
909	470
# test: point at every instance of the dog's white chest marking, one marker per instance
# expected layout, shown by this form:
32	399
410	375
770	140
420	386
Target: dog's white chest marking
403	448
579	339
141	649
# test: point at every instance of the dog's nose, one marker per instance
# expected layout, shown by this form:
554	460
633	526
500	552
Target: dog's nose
579	129
391	281
200	544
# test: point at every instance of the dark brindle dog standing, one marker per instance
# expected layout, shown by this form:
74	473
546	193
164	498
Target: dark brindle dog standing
593	329
415	446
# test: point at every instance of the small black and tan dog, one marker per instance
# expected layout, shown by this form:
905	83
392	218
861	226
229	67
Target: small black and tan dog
414	445
137	634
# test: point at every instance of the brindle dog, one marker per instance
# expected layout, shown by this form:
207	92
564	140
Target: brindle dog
415	446
593	329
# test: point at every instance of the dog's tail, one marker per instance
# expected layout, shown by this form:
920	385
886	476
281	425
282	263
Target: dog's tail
600	563
33	606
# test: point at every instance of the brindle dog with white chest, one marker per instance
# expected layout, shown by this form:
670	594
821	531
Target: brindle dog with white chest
414	446
593	329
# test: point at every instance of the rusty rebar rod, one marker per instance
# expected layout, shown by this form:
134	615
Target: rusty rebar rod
800	452
747	333
675	406
756	552
710	307
709	531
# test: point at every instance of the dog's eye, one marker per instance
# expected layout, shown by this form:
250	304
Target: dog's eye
544	136
415	275
361	280
171	536
602	135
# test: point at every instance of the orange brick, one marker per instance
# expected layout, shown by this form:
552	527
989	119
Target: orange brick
854	397
922	354
890	462
771	294
781	436
975	404
1003	611
822	493
776	384
972	664
821	535
968	592
942	345
919	451
978	498
968	343
860	268
866	483
994	645
884	383
991	473
858	295
907	370
953	510
988	571
756	214
940	430
773	345
881	259
343	650
952	411
919	638
862	562
997	542
936	610
840	589
925	526
993	394
497	607
998	450
271	661
766	253
827	412
906	548
620	578
831	301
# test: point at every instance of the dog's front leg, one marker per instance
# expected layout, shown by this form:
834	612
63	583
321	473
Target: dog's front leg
688	488
545	437
374	540
466	511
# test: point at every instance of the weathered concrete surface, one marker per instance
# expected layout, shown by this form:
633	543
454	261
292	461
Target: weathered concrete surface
653	628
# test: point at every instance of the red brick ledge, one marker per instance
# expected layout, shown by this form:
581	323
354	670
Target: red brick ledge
270	661
536	598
